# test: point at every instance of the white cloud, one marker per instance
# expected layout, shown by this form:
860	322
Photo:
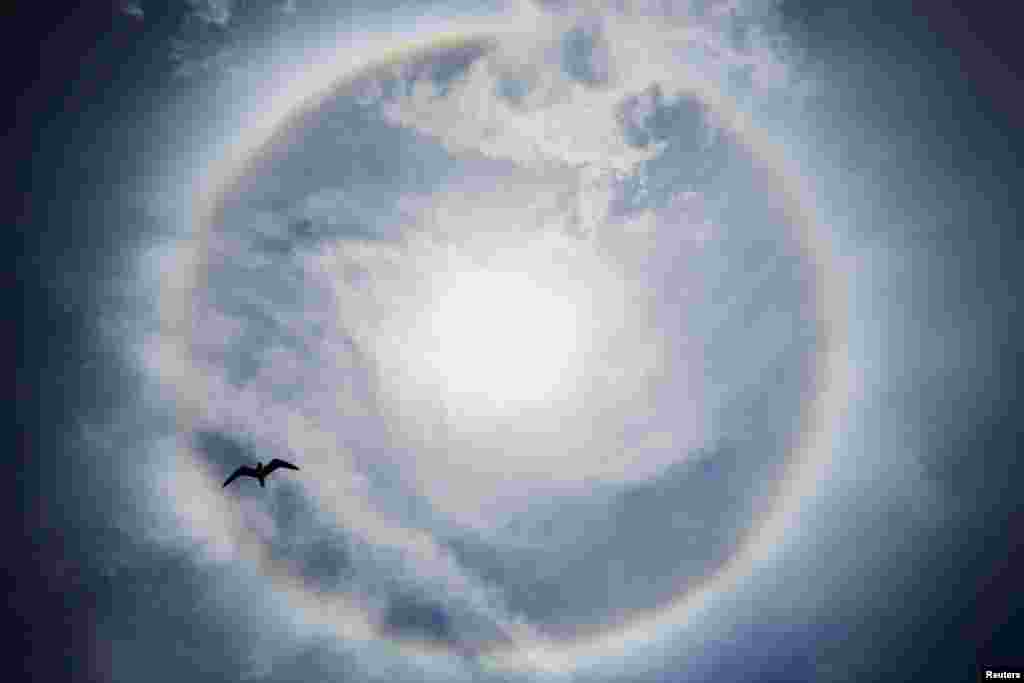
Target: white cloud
474	462
561	121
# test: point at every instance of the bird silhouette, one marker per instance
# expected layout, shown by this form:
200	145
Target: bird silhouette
260	471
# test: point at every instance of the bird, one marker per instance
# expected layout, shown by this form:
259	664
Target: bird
260	471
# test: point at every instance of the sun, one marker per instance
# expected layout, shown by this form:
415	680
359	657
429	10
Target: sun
502	338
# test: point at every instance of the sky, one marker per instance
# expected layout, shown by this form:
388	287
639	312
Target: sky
550	342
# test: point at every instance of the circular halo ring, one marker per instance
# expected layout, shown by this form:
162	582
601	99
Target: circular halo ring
826	396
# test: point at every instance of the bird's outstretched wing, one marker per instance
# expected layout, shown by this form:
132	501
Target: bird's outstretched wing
277	464
243	471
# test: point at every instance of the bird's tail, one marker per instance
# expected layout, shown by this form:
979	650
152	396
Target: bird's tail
262	485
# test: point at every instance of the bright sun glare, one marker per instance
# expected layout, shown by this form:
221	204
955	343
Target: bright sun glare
501	337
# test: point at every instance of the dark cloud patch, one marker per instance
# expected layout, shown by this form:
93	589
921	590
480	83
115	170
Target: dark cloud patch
326	563
303	533
303	229
273	245
293	511
227	451
415	618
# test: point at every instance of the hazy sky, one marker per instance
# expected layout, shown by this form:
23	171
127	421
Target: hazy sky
545	322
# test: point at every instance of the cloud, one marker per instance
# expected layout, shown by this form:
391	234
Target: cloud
559	121
564	81
132	9
620	350
554	150
305	343
313	350
407	617
213	11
